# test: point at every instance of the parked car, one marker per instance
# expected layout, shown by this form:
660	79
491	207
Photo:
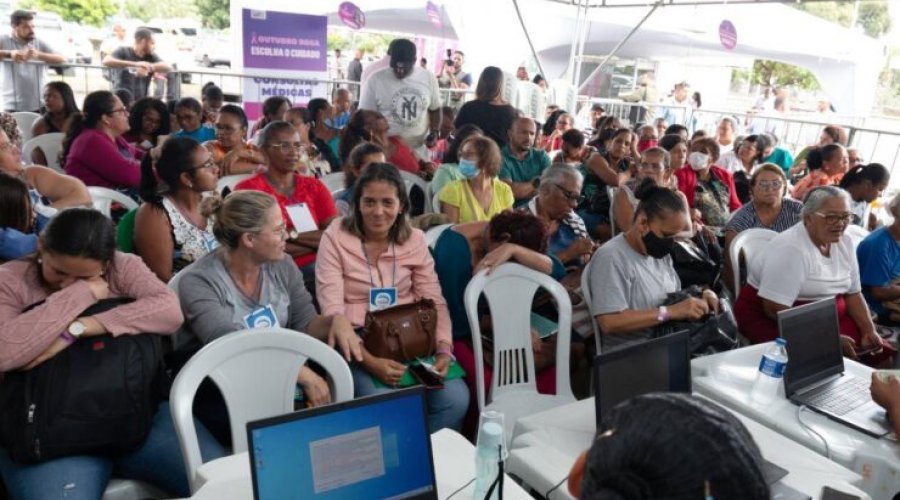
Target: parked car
213	49
63	39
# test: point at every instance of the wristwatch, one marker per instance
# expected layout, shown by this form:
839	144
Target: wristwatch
663	314
76	329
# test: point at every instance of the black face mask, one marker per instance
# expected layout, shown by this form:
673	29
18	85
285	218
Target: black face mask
657	247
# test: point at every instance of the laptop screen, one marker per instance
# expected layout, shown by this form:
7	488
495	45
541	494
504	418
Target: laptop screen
374	447
657	365
813	343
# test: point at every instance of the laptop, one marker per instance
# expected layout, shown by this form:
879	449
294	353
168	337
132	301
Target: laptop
661	365
815	376
372	447
658	365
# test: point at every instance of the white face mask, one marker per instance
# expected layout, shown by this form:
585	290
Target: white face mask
698	160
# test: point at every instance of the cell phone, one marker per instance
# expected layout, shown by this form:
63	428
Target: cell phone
428	378
865	351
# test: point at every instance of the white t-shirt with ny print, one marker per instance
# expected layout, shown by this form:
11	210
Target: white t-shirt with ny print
405	103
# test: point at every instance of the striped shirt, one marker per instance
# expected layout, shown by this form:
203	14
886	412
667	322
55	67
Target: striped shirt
747	218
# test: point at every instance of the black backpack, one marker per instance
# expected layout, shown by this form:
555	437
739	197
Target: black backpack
98	396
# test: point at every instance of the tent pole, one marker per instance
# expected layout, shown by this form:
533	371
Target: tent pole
620	44
528	38
579	56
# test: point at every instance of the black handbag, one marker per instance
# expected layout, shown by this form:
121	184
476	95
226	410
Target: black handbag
709	335
697	262
98	396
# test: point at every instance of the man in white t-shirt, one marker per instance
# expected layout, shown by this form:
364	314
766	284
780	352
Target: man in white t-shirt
407	96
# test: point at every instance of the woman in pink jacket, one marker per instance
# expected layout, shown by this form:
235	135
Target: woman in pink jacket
374	249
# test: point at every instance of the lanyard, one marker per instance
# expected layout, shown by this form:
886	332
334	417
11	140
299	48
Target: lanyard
393	272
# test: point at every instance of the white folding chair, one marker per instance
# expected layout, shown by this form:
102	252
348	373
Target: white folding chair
50	144
509	290
856	234
750	242
256	372
414	180
611	193
586	293
24	120
433	233
230	181
103	199
333	181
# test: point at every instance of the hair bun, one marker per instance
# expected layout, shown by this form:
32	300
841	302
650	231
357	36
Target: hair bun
211	205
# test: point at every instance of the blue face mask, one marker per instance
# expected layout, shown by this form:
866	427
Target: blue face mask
329	123
467	168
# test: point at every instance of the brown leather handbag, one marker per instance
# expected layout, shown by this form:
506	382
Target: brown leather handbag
402	333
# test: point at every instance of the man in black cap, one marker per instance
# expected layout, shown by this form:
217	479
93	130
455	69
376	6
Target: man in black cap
407	96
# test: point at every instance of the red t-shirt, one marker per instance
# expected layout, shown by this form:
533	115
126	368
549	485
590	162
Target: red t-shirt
307	190
403	158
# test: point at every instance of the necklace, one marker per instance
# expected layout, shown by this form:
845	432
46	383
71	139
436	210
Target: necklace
285	191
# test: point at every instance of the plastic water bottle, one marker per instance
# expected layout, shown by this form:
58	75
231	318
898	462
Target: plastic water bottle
487	459
771	372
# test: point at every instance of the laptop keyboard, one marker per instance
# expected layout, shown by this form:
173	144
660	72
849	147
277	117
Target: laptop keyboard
840	399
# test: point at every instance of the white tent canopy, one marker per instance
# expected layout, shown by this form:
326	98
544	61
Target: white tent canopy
845	62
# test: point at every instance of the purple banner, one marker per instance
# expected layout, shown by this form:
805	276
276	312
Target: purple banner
728	34
282	40
351	15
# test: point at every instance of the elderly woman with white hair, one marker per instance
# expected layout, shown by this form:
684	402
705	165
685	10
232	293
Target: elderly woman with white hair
810	261
879	269
558	195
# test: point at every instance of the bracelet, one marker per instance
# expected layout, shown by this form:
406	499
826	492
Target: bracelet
446	352
663	314
65	335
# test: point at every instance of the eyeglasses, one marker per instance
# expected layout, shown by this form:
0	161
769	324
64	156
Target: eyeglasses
570	196
835	219
208	164
122	110
286	147
226	128
770	185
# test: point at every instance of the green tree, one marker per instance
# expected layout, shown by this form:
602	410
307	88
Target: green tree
216	14
780	74
93	12
145	11
873	16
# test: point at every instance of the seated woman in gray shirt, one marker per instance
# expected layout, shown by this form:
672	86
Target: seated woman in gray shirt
249	282
632	274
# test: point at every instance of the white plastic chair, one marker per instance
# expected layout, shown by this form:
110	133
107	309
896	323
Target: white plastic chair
510	290
24	120
414	180
435	201
586	293
856	234
230	181
256	372
50	144
433	233
333	181
611	193
103	199
750	242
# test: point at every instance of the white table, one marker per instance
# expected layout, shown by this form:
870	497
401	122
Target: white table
229	478
545	446
727	379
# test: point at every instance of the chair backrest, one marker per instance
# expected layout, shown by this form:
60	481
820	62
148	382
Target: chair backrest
50	144
586	293
611	192
750	242
510	290
229	181
103	199
256	372
24	120
414	180
433	233
333	181
435	201
856	234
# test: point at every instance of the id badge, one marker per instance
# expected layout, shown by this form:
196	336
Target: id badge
382	298
209	242
301	218
264	317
